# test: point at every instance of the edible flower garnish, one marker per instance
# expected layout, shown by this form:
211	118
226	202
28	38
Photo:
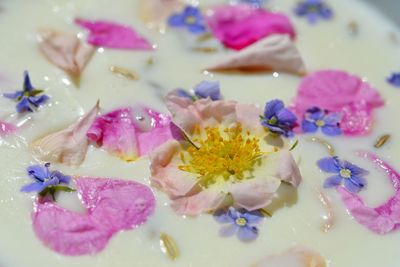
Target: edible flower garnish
313	10
28	98
240	222
112	205
6	128
190	18
204	89
317	118
394	79
346	173
46	181
278	119
227	157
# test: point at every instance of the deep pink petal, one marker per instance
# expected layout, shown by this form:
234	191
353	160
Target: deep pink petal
238	26
112	205
113	35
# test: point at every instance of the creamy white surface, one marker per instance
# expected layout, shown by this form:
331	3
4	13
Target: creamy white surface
325	45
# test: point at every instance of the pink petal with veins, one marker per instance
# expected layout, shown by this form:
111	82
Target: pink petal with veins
113	35
112	206
238	26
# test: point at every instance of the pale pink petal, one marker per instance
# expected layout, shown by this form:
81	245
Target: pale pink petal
155	13
113	35
255	193
294	257
238	26
6	128
112	206
273	53
65	50
248	115
383	219
204	201
338	91
288	169
67	146
329	217
131	132
165	173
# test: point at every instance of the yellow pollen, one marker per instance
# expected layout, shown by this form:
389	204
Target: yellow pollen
345	173
320	123
225	154
190	20
241	221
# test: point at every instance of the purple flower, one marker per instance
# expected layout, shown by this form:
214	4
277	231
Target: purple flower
242	223
27	98
313	10
346	174
278	119
316	118
44	178
254	3
190	18
394	79
205	89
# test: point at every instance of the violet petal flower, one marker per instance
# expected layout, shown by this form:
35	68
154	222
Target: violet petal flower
27	98
239	222
316	118
278	119
394	79
208	89
346	174
190	18
313	10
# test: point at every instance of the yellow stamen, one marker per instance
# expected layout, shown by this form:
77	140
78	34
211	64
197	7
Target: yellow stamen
320	123
190	20
345	173
225	154
241	221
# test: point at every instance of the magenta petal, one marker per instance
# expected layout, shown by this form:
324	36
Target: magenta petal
112	205
113	35
238	26
6	128
131	132
339	91
383	219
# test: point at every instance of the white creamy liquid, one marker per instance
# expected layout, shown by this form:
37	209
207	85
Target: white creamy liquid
370	54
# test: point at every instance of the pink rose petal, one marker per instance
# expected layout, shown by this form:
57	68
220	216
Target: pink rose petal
113	35
273	53
238	26
112	206
338	91
6	128
383	219
131	132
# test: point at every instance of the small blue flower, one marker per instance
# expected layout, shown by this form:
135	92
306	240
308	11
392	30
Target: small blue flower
254	3
278	119
346	173
316	118
44	178
394	79
28	97
239	222
190	18
205	89
313	10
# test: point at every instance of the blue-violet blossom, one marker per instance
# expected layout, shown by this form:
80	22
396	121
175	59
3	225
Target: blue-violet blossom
190	18
313	10
239	222
316	118
204	89
44	178
278	119
394	79
28	97
346	174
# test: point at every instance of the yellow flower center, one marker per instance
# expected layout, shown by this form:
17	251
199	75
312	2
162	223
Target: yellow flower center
241	221
320	123
190	20
228	154
345	173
